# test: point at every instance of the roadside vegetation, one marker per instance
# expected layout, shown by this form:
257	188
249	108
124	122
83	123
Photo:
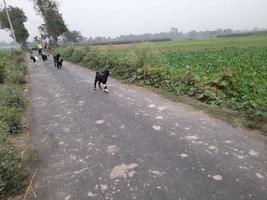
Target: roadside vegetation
228	73
14	158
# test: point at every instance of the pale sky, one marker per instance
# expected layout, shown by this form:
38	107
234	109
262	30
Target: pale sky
118	17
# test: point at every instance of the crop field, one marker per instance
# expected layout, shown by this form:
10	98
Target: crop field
226	72
248	41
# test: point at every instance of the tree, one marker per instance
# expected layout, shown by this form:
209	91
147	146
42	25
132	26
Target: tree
43	31
18	18
73	36
54	25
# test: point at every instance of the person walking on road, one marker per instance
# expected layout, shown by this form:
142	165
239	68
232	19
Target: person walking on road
40	48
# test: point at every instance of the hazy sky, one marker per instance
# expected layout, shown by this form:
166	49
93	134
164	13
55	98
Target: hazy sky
117	17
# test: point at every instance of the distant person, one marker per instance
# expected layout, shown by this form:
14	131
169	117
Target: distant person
40	48
46	50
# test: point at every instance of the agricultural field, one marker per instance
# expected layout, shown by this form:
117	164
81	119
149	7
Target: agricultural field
249	41
240	42
13	163
228	73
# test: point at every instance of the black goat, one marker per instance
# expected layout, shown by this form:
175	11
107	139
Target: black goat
58	61
55	61
40	51
102	77
44	57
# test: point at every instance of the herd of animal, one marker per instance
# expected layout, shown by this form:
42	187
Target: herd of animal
58	61
101	77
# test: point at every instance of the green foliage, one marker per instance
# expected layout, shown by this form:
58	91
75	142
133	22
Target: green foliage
77	56
11	97
12	102
18	19
16	76
3	63
237	42
12	119
12	68
73	36
13	173
234	78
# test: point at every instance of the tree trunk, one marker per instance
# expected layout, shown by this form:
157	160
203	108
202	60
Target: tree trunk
54	40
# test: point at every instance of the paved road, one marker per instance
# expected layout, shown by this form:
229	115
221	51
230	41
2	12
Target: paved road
133	144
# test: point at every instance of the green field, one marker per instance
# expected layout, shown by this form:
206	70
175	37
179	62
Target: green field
252	41
248	41
226	72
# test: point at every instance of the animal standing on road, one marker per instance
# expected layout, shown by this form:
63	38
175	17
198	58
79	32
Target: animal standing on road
102	77
58	61
55	60
34	59
44	57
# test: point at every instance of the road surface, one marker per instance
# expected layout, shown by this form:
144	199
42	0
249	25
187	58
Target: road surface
133	144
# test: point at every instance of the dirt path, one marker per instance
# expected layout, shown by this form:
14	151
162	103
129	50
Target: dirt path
133	144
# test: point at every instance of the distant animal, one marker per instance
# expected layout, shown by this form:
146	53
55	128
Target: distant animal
44	57
102	77
40	50
58	61
55	60
34	59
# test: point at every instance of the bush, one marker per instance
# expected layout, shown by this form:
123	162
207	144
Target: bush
12	119
77	56
90	57
13	175
12	97
16	74
67	53
16	78
2	72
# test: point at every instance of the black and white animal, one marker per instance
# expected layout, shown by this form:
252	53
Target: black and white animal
44	57
102	77
34	59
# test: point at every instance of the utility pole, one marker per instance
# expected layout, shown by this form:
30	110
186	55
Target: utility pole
10	23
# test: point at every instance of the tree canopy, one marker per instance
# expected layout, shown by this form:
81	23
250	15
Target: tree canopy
73	36
18	18
54	25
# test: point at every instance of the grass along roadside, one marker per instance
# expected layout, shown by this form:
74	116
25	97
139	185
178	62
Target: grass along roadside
15	153
225	78
235	118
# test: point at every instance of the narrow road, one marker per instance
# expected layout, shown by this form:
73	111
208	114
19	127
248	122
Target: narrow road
133	144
